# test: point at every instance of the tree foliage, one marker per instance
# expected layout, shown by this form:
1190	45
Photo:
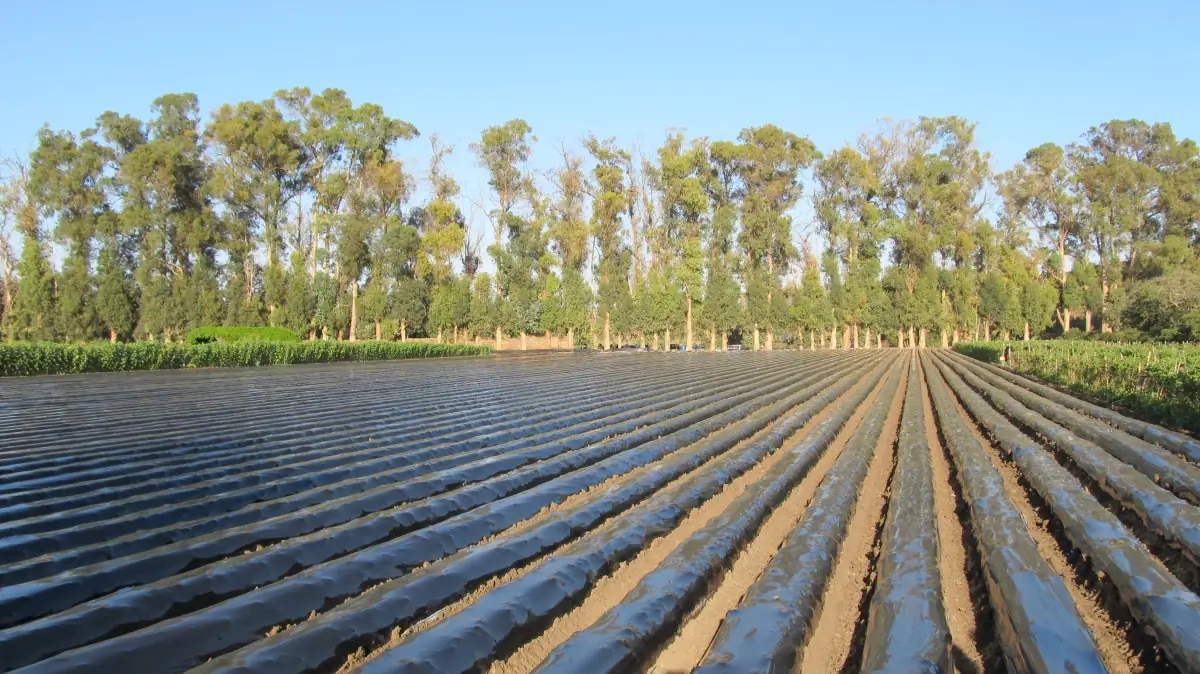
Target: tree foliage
302	210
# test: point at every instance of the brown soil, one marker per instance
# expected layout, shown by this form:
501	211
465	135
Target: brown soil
837	632
963	591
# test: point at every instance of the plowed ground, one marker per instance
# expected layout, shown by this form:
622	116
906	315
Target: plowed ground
811	511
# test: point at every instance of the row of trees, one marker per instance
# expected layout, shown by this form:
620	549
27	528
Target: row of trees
299	211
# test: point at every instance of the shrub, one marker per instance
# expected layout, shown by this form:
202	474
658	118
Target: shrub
988	352
1166	308
208	335
51	358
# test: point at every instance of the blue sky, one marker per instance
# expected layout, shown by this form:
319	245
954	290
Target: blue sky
1028	72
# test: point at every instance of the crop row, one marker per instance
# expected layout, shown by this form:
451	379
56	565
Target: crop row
40	358
759	512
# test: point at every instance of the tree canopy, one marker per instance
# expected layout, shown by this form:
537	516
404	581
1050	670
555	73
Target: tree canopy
305	210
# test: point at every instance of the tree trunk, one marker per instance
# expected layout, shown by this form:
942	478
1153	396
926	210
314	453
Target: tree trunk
1007	335
524	345
689	343
857	343
867	339
923	332
654	342
404	331
379	331
476	340
354	311
667	340
112	336
607	330
1087	321
954	336
499	338
571	338
312	250
724	341
712	337
812	338
912	337
833	337
987	331
756	342
900	337
1027	331
945	339
770	339
1066	321
879	341
845	335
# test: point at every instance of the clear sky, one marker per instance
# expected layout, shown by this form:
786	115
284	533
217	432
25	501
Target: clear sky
1027	71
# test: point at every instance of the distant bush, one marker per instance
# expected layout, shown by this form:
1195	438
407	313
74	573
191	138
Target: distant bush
1166	308
988	352
208	335
51	358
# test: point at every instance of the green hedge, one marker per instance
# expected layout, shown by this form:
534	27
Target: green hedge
1158	383
988	352
207	335
51	358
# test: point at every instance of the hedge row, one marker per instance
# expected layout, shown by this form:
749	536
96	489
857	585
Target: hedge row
206	335
1158	383
50	358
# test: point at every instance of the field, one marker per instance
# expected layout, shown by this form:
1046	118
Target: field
812	511
1156	382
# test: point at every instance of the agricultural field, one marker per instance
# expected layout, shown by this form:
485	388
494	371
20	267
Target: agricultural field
1155	382
807	511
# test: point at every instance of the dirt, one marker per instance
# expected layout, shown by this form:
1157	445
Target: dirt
836	639
964	594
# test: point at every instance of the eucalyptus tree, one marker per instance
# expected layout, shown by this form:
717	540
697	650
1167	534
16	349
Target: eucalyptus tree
10	198
324	123
846	209
769	166
66	179
722	295
569	296
484	309
1039	194
811	310
685	218
609	195
258	169
503	152
31	310
1118	187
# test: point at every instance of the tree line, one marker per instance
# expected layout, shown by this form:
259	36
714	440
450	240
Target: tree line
299	211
